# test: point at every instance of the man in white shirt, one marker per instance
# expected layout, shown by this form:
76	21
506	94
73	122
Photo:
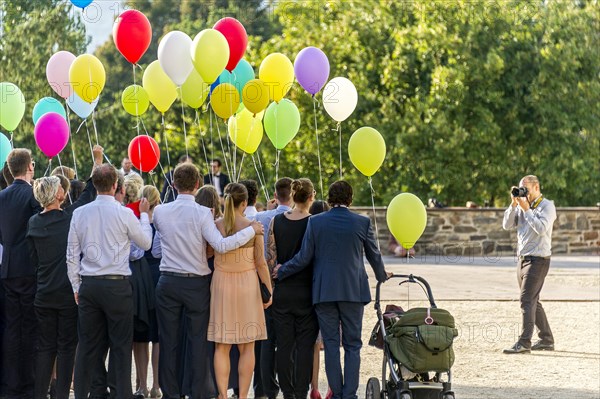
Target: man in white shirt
216	178
183	230
127	167
98	268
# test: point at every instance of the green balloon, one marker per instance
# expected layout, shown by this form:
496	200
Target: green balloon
406	218
282	122
12	106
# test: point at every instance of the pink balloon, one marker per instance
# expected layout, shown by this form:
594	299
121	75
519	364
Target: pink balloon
51	134
57	73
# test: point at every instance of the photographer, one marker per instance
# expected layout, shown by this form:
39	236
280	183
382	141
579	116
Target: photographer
533	216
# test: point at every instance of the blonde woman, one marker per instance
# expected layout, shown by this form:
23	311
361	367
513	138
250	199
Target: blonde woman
236	307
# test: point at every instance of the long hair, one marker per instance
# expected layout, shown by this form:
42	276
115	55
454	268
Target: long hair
235	194
207	196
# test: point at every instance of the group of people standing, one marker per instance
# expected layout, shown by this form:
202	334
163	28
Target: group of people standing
231	296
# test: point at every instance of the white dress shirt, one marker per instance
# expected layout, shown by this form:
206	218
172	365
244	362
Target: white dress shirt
131	172
250	212
183	229
102	231
216	179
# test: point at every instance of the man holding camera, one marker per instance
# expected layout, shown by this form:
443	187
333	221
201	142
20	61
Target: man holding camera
533	216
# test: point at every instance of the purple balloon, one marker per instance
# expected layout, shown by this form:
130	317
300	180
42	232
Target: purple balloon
312	69
51	134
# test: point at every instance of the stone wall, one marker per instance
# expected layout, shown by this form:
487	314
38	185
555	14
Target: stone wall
478	232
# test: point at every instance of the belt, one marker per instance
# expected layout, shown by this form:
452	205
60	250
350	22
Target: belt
188	275
108	277
529	257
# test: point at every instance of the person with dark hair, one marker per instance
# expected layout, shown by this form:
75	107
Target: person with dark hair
100	281
168	192
252	188
216	177
265	373
55	307
76	187
17	205
184	284
293	314
236	306
334	243
127	167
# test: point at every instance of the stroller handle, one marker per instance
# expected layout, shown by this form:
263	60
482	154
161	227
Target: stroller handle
411	279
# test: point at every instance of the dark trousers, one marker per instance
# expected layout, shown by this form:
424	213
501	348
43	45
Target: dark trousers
57	341
531	274
297	328
257	384
105	314
268	359
20	334
3	367
350	314
173	296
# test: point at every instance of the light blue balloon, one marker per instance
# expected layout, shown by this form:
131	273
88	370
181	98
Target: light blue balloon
80	107
5	149
81	3
241	74
45	105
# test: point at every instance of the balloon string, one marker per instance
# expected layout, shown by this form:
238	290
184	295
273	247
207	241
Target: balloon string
156	155
277	165
63	173
71	138
262	170
203	144
374	214
260	180
94	126
225	153
49	167
240	168
318	147
339	128
133	67
11	140
89	139
212	144
164	130
187	154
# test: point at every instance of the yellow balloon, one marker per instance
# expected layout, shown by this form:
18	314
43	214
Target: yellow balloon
246	130
135	100
225	100
255	96
277	72
195	90
210	54
367	150
88	77
406	218
160	88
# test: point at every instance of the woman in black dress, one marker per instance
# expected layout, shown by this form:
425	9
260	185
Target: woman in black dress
293	313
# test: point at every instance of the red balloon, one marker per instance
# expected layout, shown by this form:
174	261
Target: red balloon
144	153
237	38
132	34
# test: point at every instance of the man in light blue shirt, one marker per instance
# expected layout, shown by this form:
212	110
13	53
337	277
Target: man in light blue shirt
265	382
533	216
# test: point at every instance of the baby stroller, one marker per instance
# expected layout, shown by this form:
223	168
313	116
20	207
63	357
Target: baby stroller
415	343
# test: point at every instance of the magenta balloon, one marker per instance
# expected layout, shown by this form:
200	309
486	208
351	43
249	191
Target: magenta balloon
312	69
57	73
51	134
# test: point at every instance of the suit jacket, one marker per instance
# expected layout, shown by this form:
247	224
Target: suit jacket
334	243
223	180
17	206
168	192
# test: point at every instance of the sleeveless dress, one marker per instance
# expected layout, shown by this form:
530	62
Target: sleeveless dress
236	308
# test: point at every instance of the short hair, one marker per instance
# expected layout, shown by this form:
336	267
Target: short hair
120	181
218	161
283	189
340	193
18	161
531	179
318	207
65	171
152	194
252	188
302	189
185	158
45	190
186	177
235	194
104	177
133	188
207	196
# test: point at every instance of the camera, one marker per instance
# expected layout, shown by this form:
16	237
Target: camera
519	192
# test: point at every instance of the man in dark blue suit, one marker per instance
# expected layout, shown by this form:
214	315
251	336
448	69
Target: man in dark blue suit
334	243
18	275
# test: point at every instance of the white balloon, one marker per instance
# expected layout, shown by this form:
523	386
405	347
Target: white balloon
81	108
174	56
340	98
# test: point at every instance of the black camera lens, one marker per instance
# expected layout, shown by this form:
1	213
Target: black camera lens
515	192
519	192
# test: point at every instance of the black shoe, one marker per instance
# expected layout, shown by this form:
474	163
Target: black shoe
540	346
517	348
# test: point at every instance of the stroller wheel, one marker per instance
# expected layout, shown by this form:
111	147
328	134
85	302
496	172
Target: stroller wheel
448	396
405	396
373	389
